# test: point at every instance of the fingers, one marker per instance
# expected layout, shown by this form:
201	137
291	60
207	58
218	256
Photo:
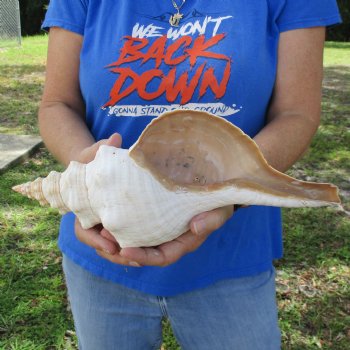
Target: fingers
106	234
104	243
205	223
165	254
92	238
117	259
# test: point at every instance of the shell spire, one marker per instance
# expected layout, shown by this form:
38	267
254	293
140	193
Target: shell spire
32	190
45	190
65	191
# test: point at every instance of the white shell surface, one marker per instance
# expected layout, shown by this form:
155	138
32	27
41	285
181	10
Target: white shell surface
131	204
139	211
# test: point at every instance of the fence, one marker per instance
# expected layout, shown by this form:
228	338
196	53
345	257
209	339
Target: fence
10	23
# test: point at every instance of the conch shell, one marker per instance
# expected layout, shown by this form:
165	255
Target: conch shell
184	163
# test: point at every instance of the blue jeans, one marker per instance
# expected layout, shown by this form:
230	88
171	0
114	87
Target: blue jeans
231	314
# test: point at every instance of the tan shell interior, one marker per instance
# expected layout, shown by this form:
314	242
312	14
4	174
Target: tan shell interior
201	151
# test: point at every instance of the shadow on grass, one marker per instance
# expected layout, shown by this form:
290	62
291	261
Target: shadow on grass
336	80
319	324
10	71
337	45
336	88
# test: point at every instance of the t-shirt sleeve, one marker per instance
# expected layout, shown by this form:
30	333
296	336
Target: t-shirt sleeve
296	14
67	14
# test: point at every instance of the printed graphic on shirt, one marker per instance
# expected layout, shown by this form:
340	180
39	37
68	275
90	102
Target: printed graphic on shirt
182	64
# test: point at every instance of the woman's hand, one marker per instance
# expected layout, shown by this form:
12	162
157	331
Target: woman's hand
97	237
102	241
201	227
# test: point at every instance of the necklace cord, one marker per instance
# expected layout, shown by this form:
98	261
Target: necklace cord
176	6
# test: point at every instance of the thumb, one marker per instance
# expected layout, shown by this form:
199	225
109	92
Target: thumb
207	222
114	140
89	153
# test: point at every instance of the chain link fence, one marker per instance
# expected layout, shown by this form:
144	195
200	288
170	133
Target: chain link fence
10	23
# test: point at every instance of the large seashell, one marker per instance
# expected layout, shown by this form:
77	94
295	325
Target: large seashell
184	163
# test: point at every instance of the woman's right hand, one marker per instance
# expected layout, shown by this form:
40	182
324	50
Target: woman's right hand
103	242
98	237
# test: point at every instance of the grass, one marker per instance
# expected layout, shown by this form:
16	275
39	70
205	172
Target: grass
21	83
336	54
313	278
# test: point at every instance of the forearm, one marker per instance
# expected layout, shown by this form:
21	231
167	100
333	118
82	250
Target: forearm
64	131
62	110
295	107
285	139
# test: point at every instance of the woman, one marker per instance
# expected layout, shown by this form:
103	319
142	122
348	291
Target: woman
112	67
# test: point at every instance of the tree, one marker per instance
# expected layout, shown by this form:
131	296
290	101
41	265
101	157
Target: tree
33	12
341	32
32	15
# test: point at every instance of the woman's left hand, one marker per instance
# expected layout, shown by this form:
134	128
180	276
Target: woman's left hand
201	227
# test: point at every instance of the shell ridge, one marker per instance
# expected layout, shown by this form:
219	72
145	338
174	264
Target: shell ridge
73	192
88	194
66	208
52	191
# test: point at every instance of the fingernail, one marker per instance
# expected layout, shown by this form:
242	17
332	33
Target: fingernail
134	264
199	227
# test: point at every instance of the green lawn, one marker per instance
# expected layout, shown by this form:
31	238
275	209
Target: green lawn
337	54
313	278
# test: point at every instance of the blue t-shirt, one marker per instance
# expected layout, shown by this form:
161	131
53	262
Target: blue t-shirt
221	58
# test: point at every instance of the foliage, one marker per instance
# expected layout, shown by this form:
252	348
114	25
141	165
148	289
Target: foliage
313	279
32	15
341	32
33	11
